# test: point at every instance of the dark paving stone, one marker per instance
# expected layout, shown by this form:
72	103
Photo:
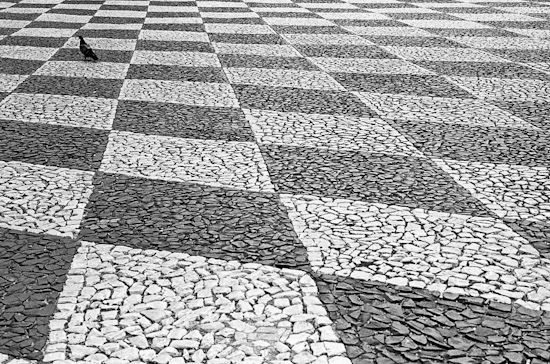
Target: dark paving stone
246	38
477	143
535	112
18	16
183	121
253	61
253	4
33	269
176	3
212	20
162	72
476	10
7	31
110	33
315	2
49	42
399	41
321	9
389	179
93	2
380	323
483	69
509	4
195	219
296	29
123	7
52	24
369	23
423	16
215	9
290	15
76	86
421	85
536	232
161	46
299	100
343	51
107	55
113	20
522	55
481	32
174	15
44	7
518	24
52	145
401	4
19	66
175	27
72	11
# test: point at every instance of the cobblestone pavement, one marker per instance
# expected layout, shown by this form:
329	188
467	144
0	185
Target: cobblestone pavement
275	181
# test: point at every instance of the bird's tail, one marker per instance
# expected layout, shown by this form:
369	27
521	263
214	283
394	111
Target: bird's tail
94	57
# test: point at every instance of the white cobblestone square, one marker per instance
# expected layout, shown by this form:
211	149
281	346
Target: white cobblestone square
64	18
298	21
313	80
174	20
354	15
320	5
443	54
210	162
181	92
78	6
326	39
188	59
43	199
513	192
279	9
445	24
495	17
265	50
18	10
104	43
172	9
105	70
232	15
417	248
45	32
105	26
155	305
9	23
221	4
504	42
121	14
389	31
366	65
65	110
26	52
404	10
504	89
327	131
441	110
168	36
8	83
238	28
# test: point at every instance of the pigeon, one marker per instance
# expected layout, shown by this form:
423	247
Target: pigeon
86	50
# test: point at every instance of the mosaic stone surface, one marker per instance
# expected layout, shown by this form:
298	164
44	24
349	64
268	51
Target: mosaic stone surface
275	182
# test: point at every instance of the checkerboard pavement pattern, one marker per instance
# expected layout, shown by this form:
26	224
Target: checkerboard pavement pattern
275	181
